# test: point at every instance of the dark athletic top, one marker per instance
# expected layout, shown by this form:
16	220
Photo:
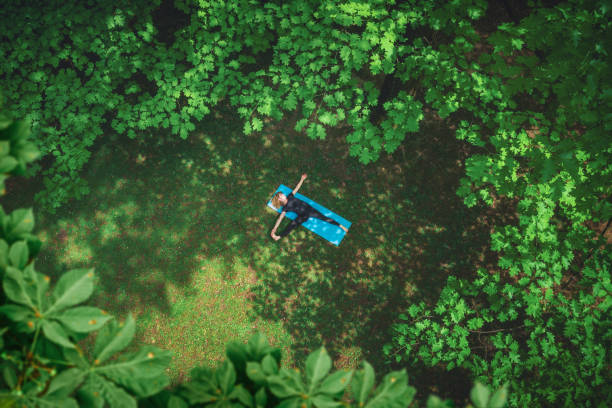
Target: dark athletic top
296	205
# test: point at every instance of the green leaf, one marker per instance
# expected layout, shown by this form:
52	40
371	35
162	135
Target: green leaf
282	387
113	338
143	372
115	396
17	313
83	319
54	332
321	401
7	164
435	402
237	353
261	398
241	394
4	248
15	287
226	377
74	287
257	345
255	373
5	121
269	365
498	400
300	124
480	395
75	356
21	221
363	382
177	402
65	382
257	124
318	365
28	153
9	375
335	383
5	148
18	254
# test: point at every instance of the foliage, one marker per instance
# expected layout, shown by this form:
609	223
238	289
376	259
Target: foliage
541	320
532	97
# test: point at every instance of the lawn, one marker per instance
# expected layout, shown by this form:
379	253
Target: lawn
179	234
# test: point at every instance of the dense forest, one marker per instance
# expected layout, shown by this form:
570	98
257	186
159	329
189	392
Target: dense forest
523	88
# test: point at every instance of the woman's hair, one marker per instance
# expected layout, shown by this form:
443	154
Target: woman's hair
276	200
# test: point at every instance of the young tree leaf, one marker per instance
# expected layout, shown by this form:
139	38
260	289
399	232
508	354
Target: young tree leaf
318	364
65	382
363	382
143	372
480	395
255	373
54	332
73	288
498	400
15	287
17	313
83	319
113	338
226	377
335	383
20	221
18	254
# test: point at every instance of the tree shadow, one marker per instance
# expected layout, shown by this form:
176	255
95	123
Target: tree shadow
410	233
159	210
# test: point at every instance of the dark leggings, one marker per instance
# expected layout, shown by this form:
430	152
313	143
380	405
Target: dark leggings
302	218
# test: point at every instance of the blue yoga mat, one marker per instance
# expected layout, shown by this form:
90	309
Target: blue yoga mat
330	232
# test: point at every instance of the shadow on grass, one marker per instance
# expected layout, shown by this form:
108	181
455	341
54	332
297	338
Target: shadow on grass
410	233
156	212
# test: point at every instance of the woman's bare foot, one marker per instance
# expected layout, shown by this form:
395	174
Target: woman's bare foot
344	228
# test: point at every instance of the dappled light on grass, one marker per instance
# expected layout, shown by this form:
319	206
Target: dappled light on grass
171	246
186	245
192	327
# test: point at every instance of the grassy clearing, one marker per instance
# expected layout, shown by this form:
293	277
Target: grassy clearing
179	236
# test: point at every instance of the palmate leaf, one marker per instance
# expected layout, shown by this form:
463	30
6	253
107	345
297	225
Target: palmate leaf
83	319
335	383
15	287
96	390
4	249
55	332
7	164
113	338
73	288
19	222
255	373
287	384
142	372
363	382
66	382
392	392
18	254
318	365
17	313
226	377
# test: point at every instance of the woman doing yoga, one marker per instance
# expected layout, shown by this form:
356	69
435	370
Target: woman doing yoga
301	208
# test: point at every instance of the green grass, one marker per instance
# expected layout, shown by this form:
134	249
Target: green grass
179	234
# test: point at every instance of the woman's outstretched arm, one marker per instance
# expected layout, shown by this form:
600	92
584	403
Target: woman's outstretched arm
295	190
280	218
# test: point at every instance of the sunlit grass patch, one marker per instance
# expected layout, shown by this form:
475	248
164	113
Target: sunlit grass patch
207	314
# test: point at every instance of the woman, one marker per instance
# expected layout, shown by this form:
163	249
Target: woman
301	208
